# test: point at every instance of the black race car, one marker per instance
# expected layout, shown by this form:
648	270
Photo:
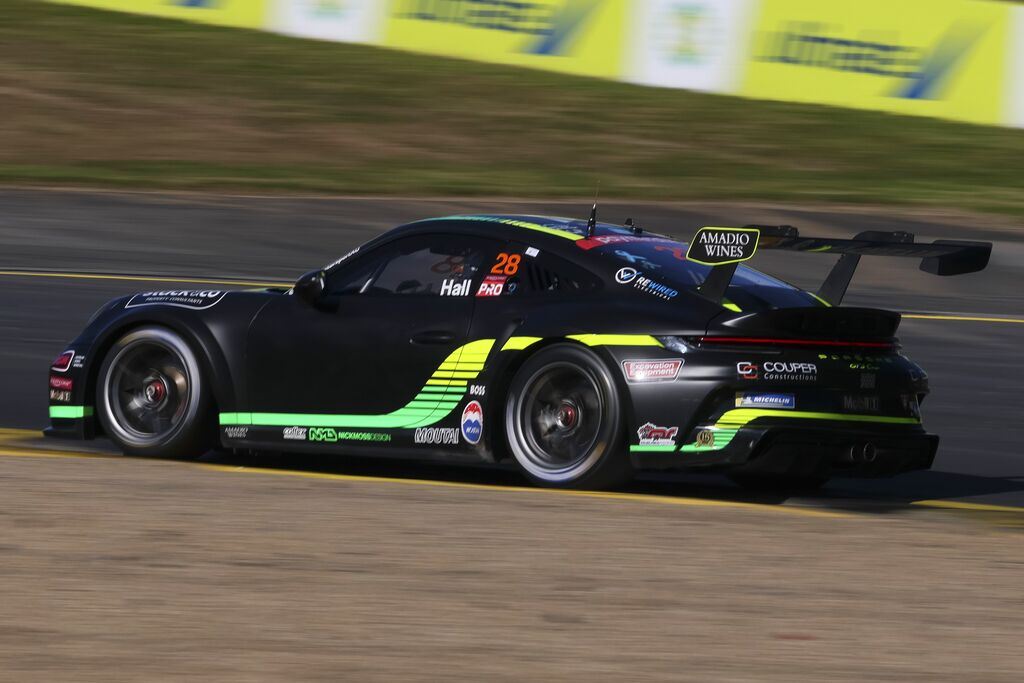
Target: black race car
582	351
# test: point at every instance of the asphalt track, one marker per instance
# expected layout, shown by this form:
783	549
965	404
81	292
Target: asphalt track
299	568
62	254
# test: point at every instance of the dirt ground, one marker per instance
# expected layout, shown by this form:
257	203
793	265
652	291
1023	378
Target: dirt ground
120	569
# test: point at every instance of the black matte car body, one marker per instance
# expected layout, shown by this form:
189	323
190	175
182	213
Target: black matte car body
691	366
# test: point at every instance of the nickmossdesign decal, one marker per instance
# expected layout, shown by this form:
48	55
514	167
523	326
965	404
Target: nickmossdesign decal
182	298
331	435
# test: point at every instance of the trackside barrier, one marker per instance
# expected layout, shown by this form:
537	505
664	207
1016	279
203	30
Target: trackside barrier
1015	72
952	59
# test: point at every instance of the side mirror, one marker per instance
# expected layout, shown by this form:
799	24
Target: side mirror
310	287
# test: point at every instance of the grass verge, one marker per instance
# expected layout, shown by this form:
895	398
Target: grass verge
114	100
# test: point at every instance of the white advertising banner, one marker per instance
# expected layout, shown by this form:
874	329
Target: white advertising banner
1015	70
343	21
691	44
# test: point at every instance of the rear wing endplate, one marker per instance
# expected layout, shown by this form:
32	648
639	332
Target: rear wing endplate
726	248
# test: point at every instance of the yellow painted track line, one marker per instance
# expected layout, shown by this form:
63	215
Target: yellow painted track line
958	505
16	452
606	495
9	452
142	278
964	318
21	452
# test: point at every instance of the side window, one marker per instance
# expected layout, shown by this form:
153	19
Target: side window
530	271
424	265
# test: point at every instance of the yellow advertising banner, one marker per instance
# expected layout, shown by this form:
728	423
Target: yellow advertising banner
574	36
239	13
941	58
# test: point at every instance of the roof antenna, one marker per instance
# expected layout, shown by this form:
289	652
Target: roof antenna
592	223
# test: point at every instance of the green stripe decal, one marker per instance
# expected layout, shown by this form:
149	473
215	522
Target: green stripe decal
616	339
70	412
434	402
520	343
652	449
744	416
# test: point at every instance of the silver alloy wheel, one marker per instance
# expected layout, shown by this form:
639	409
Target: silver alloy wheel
554	423
149	388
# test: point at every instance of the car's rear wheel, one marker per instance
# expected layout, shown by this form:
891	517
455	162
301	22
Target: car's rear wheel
563	420
151	398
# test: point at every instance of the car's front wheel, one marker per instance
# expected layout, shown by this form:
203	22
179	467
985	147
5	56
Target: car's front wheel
151	398
563	420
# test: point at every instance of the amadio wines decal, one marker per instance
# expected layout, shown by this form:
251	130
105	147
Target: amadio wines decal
719	246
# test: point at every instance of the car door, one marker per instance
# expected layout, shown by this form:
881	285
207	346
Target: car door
388	321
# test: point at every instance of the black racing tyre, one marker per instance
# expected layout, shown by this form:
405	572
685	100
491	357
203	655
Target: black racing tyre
151	398
764	483
563	420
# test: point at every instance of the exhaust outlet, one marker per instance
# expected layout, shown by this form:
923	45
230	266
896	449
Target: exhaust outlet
862	453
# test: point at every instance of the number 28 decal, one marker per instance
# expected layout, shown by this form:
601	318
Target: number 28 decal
507	264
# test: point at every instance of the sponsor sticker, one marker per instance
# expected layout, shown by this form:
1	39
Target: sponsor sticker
783	401
447	436
61	396
473	422
778	371
78	362
629	275
295	433
455	287
182	298
532	252
331	435
651	434
493	285
477	390
861	403
706	438
719	246
61	383
651	370
236	432
747	370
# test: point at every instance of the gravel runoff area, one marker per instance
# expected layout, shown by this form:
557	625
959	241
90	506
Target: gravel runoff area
148	570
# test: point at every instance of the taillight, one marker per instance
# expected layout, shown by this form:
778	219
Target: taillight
62	362
830	343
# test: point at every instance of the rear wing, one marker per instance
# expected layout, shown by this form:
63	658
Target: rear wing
726	248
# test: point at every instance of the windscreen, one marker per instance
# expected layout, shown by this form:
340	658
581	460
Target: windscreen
664	260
